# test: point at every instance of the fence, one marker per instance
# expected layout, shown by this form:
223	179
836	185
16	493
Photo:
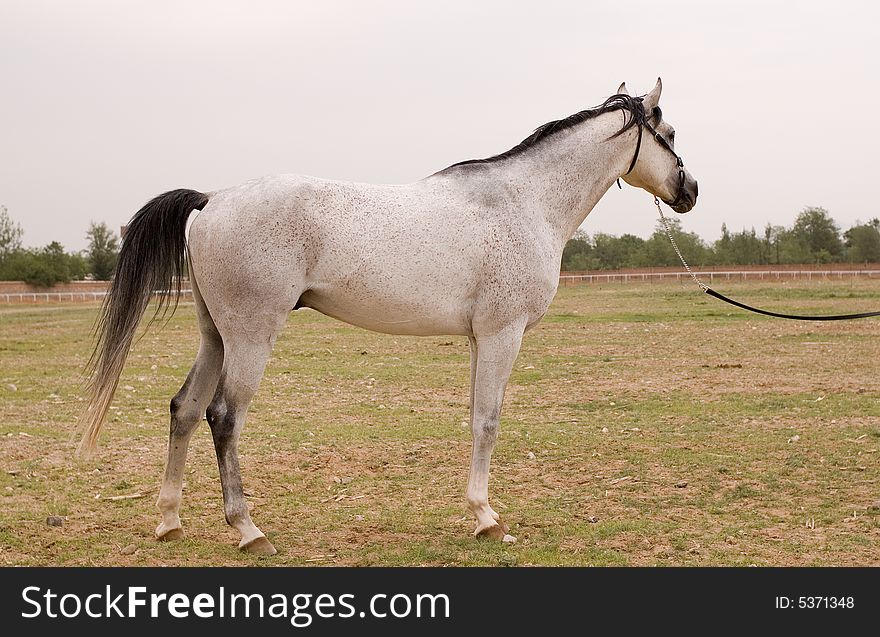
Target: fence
34	298
712	276
565	279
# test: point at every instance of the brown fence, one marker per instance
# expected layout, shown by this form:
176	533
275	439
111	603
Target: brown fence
800	267
710	276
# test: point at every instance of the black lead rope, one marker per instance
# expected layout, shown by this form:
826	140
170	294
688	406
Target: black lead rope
835	317
721	297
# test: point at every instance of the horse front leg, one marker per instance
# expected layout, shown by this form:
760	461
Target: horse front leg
492	358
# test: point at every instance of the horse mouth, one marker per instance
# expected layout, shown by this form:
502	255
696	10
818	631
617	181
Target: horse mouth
685	206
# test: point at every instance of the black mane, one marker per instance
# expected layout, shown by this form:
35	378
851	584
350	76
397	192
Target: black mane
633	115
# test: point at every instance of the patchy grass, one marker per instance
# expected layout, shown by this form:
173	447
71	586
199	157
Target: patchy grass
667	429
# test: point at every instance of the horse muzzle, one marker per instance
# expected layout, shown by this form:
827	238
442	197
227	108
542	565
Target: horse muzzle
686	198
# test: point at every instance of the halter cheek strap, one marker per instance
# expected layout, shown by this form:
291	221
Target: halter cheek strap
679	196
635	158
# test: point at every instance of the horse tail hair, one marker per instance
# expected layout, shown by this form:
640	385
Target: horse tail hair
151	262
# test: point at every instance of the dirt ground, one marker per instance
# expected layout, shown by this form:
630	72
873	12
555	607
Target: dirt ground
643	425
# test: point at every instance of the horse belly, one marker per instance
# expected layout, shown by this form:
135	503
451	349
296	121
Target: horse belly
429	311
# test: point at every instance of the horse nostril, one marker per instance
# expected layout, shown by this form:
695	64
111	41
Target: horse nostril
696	190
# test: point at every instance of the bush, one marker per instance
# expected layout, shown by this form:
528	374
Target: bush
43	266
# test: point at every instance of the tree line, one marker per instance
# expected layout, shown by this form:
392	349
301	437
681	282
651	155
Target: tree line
813	238
53	264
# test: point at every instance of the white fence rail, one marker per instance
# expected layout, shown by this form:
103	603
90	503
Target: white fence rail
712	276
31	298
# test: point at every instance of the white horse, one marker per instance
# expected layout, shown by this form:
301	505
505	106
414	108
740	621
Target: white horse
473	250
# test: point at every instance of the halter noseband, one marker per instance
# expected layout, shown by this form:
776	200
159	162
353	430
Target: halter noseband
679	197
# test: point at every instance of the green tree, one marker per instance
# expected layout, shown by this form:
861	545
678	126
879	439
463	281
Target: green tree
577	254
863	242
817	231
739	248
57	260
793	248
10	234
613	253
103	251
78	266
659	252
722	247
771	243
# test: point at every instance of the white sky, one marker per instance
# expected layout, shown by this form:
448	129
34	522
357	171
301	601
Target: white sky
104	104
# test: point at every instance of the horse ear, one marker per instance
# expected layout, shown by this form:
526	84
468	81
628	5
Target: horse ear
652	99
621	90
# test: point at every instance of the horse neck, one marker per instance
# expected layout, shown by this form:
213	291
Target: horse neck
566	174
571	172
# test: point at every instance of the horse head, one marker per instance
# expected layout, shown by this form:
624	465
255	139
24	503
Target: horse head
656	167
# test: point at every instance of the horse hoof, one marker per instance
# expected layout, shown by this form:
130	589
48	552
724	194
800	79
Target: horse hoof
170	535
259	546
494	532
497	518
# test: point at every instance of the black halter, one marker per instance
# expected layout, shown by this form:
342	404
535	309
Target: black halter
642	124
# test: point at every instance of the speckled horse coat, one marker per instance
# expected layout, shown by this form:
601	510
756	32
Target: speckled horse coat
473	250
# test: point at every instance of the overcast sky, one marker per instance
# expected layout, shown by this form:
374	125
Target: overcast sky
104	104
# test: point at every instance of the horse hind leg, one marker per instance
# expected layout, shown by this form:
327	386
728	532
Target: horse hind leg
243	367
187	409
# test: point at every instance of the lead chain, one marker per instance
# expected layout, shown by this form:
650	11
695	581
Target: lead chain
675	246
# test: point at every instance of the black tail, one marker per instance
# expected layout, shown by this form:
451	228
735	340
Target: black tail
151	261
